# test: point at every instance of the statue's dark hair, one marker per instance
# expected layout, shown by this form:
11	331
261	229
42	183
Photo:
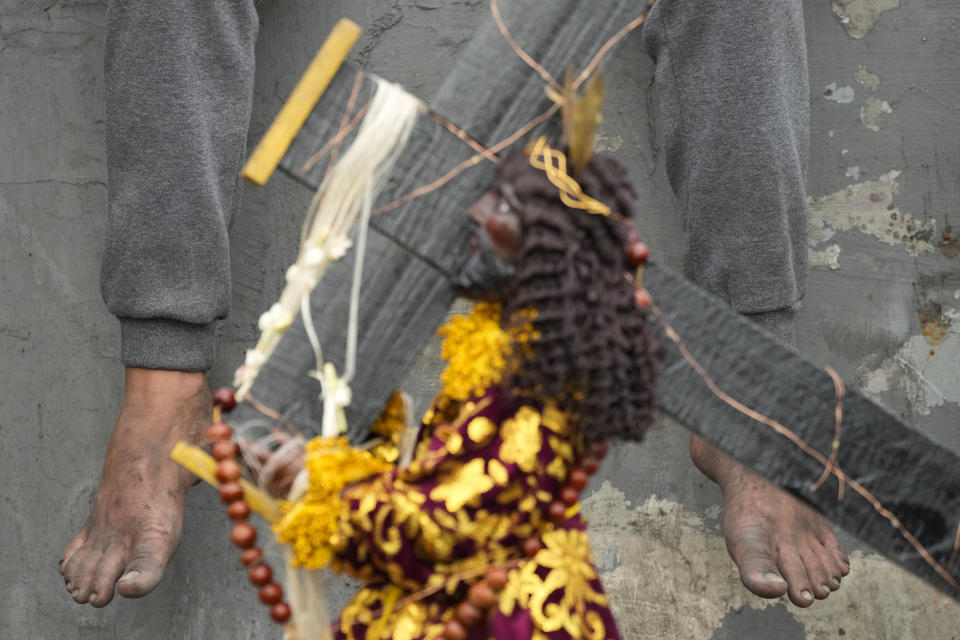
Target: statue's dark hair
594	351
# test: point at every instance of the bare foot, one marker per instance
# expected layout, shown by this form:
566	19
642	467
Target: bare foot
779	544
134	526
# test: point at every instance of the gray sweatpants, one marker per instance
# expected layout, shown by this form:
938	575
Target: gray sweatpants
732	78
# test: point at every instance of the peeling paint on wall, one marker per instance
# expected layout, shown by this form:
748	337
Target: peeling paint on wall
869	80
669	576
868	207
924	369
840	95
860	16
825	257
873	111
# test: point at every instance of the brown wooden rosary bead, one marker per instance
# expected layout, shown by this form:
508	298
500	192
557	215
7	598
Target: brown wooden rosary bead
280	612
590	464
642	298
569	496
270	593
243	535
481	595
261	574
251	556
230	491
531	547
637	252
225	450
578	478
219	431
468	614
557	511
238	510
599	449
453	630
228	471
496	577
224	398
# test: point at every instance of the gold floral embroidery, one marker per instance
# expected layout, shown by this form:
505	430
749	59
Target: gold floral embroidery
558	469
455	443
467	483
521	439
410	623
481	429
511	494
566	554
498	472
554	419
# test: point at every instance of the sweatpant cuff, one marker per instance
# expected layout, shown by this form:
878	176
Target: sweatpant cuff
779	324
167	344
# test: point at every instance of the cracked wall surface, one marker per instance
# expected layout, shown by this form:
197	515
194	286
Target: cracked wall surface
883	308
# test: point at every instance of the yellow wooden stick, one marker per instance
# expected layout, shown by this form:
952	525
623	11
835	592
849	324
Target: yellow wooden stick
301	102
204	467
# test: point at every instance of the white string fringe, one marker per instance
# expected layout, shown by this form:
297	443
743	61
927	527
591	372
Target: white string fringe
345	197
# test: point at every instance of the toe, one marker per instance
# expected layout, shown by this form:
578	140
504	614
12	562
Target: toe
832	564
75	572
751	551
136	583
819	577
761	577
71	548
799	588
82	580
144	571
105	577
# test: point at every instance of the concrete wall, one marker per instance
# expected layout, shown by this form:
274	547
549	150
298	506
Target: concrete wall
883	308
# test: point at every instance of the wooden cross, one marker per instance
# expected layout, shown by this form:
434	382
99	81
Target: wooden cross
724	378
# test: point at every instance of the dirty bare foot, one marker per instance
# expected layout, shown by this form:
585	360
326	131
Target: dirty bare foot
779	544
134	525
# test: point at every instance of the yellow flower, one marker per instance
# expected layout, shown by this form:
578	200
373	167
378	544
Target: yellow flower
311	524
479	352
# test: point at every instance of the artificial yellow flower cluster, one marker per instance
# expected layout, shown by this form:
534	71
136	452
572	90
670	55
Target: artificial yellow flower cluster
479	352
310	525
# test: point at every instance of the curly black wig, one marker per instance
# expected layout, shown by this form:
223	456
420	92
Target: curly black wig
595	351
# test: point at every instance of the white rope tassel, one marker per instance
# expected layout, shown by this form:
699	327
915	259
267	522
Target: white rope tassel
346	196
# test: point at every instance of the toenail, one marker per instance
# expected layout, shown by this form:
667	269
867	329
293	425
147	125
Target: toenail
773	578
130	575
824	588
835	581
93	597
806	595
75	592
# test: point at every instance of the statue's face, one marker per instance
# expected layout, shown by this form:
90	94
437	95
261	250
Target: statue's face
494	245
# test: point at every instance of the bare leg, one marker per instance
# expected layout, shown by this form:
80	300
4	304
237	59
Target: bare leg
779	544
134	525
